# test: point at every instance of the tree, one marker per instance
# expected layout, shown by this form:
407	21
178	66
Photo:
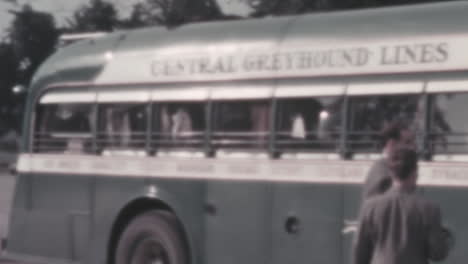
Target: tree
138	17
276	7
33	36
97	15
8	67
201	10
287	7
13	2
172	13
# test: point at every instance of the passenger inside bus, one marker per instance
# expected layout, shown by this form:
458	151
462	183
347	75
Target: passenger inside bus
298	129
179	125
309	124
448	124
70	120
242	124
63	128
260	115
122	129
117	128
370	114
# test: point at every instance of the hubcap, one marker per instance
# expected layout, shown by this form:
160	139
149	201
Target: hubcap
149	251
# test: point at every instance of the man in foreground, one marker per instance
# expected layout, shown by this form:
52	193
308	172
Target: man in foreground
394	135
399	226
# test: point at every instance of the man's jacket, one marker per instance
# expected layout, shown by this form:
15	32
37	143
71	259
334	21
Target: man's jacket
400	227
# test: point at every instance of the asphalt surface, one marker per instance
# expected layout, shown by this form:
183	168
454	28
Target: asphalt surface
7	183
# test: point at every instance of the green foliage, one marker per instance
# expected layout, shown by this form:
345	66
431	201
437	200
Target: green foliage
8	78
31	39
173	12
139	17
8	66
33	36
288	7
97	15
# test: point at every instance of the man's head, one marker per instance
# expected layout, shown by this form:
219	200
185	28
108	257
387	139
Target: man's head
403	163
397	135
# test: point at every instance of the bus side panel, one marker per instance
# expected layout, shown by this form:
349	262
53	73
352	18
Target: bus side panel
238	228
115	193
318	210
111	195
19	210
50	227
186	198
352	203
452	202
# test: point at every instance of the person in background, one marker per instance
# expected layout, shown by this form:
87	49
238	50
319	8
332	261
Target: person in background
69	119
181	123
399	226
394	135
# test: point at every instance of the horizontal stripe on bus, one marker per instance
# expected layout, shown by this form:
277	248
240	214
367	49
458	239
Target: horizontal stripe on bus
68	97
257	91
121	95
447	86
307	171
309	90
385	88
180	94
283	90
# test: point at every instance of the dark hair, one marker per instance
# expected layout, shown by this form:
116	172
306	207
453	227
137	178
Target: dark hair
392	130
403	162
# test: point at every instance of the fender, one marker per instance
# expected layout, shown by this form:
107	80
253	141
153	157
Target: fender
102	239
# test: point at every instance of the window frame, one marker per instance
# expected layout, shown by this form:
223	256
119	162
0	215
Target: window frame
58	96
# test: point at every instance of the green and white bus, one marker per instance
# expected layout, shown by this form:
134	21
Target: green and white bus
237	142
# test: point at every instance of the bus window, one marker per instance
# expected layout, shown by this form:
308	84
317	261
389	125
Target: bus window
180	125
369	114
63	128
241	124
309	123
122	128
449	124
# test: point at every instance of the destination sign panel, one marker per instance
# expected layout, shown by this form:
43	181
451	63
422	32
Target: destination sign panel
250	62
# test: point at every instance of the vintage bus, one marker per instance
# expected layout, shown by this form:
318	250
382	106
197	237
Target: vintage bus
237	142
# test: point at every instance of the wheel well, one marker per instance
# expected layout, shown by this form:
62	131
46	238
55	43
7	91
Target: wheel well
133	209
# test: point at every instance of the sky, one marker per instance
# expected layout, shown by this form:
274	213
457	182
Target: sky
64	8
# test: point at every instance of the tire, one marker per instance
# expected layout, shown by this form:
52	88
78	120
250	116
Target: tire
152	238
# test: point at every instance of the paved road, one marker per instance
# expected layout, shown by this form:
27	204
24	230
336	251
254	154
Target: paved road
7	183
6	192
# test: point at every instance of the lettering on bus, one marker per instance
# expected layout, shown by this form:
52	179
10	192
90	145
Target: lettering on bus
69	165
192	167
449	175
155	168
286	169
412	54
301	60
243	169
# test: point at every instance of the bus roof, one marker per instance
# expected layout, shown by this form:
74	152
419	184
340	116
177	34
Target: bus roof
417	38
67	39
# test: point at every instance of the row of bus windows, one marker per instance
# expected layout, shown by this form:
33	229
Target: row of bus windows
300	124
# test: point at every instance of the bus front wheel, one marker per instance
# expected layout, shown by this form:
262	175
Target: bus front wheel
152	237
